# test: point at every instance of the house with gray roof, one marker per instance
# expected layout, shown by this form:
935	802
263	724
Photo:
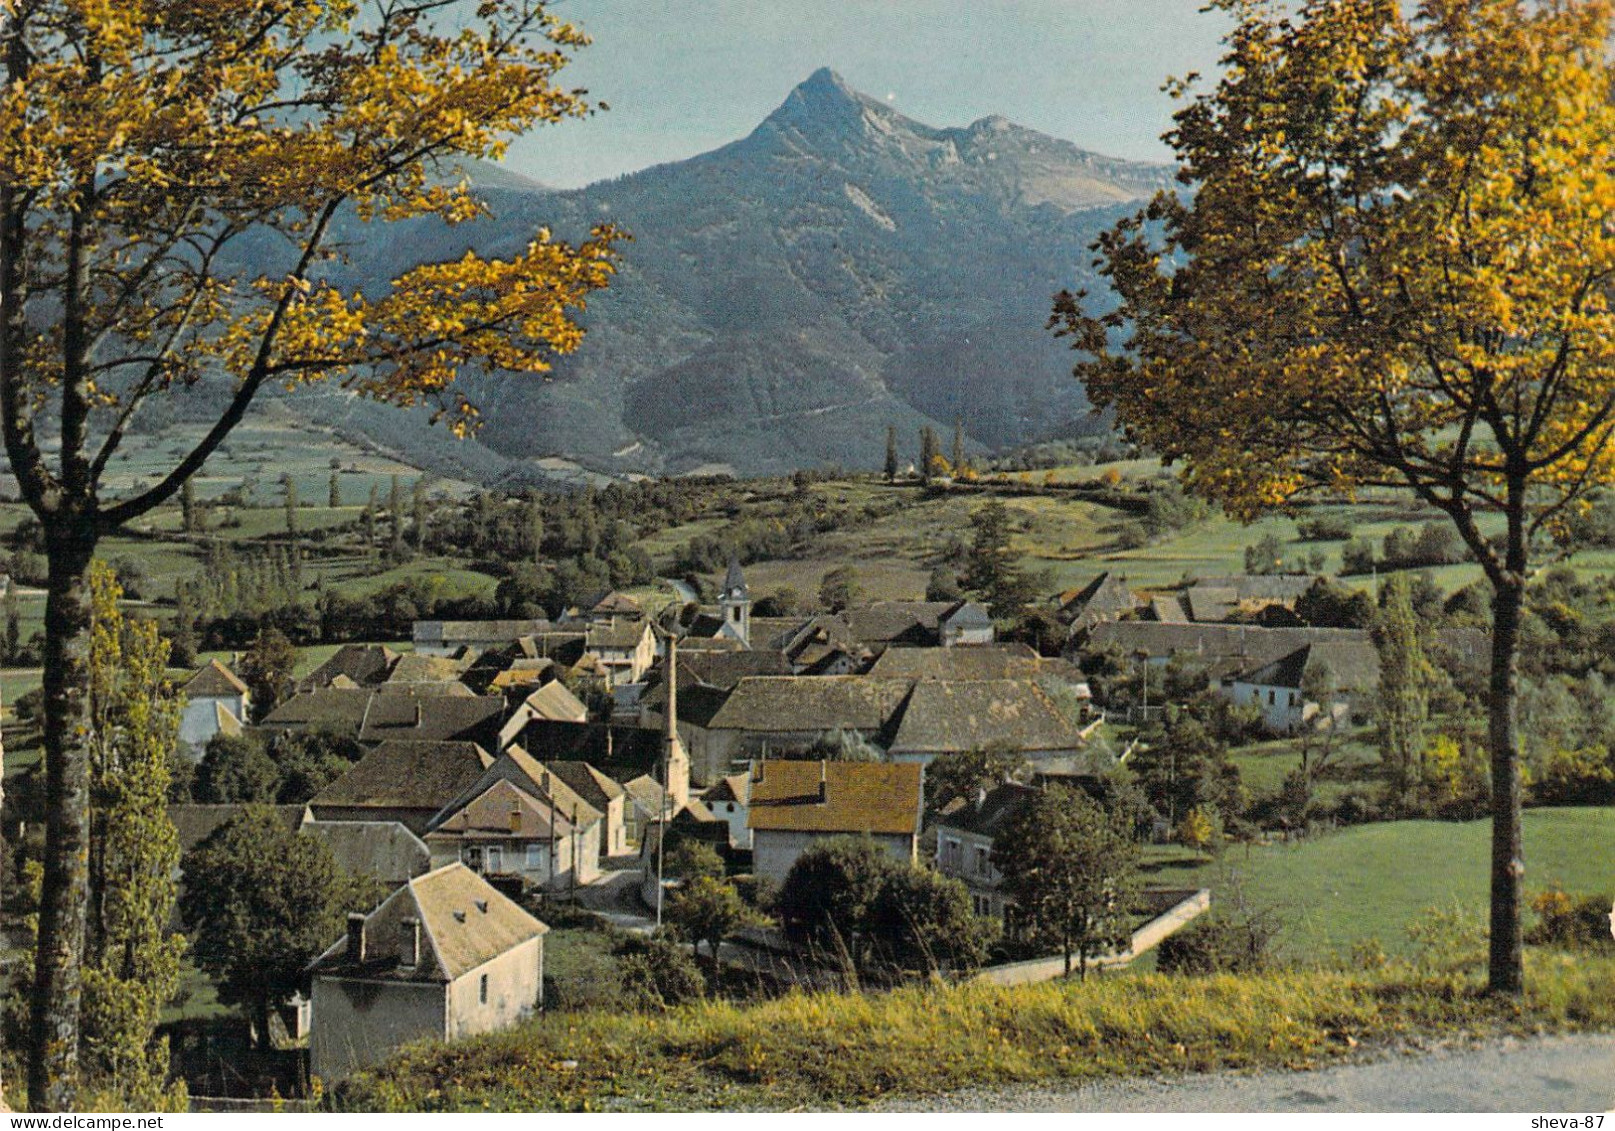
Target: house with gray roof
944	717
404	781
773	714
964	623
545	831
381	850
391	716
452	637
1283	688
965	835
602	792
1105	598
216	702
445	956
363	665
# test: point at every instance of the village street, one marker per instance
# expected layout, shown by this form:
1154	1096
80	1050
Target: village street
1550	1075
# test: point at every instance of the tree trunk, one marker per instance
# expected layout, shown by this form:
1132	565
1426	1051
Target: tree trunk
54	1006
1506	966
260	1022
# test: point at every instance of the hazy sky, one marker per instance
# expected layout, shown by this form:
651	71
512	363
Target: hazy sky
685	76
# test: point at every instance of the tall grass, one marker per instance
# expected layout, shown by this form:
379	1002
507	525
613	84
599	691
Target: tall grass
830	1050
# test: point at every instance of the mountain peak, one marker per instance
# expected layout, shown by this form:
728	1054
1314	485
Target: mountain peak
821	98
825	83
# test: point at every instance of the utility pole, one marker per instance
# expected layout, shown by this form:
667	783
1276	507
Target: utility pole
672	677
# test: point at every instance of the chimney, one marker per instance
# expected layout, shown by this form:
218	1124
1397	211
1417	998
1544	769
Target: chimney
515	818
672	687
410	936
355	937
824	781
756	770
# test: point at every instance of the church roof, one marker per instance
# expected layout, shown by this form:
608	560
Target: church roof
735	580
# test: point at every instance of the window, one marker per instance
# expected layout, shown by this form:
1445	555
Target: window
1271	694
982	866
493	859
950	853
535	857
482	990
471	856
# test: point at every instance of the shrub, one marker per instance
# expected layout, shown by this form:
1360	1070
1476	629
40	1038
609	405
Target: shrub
1325	528
1574	922
1218	945
657	973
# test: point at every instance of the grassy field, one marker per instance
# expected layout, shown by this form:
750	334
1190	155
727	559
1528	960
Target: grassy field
1371	881
817	1051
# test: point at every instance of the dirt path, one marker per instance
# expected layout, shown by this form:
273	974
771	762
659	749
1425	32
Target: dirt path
1545	1074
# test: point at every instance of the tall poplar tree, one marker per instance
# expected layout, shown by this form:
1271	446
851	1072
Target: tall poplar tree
131	961
1403	702
1393	271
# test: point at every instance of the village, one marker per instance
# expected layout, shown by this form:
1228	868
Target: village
489	795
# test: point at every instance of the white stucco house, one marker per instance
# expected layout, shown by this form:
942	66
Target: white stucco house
795	804
216	702
444	956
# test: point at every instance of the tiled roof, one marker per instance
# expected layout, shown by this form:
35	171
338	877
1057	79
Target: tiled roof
364	664
617	634
527	774
857	797
619	604
450	632
1167	610
1104	598
465	923
971	714
966	614
615	747
434	718
1210	602
553	701
598	789
328	707
987	816
1236	646
214	681
1354	666
502	810
407	775
985	661
416	667
384	850
896	622
735	788
809	703
645	792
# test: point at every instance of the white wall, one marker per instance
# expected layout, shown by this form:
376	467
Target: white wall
773	851
515	988
358	1022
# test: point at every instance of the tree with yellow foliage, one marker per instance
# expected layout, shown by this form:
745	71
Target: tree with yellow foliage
1393	271
149	149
